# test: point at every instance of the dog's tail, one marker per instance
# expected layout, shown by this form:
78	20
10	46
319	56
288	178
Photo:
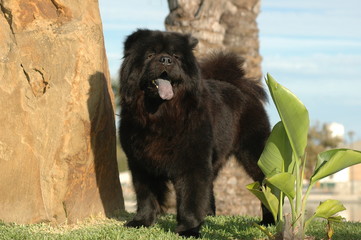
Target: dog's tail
227	67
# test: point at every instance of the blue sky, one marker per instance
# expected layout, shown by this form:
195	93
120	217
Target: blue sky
311	47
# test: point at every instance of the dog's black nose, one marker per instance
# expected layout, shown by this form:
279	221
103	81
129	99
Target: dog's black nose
165	60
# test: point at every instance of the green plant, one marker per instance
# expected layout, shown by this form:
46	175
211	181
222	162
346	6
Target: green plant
283	163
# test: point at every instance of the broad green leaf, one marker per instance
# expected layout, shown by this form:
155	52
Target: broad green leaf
284	182
277	154
265	195
332	161
293	114
328	208
336	219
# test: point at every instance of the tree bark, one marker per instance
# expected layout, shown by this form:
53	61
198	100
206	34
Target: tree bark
57	140
220	25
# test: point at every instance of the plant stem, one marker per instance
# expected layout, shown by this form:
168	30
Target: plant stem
308	222
304	166
280	207
298	184
298	224
265	231
304	201
292	204
303	207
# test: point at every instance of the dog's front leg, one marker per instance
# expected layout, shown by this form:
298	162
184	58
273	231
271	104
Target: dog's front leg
193	192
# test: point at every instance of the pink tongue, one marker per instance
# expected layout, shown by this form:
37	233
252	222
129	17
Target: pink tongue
165	89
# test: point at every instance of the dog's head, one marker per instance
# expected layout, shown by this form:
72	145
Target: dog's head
157	63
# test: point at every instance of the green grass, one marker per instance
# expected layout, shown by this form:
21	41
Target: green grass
215	228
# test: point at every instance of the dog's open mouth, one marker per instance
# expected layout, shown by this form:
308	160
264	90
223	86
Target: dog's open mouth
164	86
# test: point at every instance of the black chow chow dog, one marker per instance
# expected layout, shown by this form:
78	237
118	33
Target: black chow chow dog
181	120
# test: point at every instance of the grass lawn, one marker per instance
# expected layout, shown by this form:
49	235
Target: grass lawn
220	227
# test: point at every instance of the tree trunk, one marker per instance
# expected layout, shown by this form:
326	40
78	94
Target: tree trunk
220	25
224	25
57	140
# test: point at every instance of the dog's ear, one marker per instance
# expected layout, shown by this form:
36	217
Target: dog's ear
135	37
192	41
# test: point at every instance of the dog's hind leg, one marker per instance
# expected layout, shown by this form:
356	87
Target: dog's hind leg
252	141
249	162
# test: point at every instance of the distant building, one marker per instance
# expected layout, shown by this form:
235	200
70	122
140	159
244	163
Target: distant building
355	171
336	130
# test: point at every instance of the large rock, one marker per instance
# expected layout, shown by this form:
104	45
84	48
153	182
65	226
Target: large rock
57	137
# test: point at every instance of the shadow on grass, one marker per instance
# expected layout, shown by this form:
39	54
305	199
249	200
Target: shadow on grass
214	228
167	222
220	227
123	216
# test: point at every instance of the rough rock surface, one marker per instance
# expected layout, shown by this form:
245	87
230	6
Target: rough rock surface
220	25
57	137
232	197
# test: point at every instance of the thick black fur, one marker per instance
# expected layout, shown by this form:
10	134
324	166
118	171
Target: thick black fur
215	113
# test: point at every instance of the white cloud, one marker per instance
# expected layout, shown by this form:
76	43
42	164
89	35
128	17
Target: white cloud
319	44
322	66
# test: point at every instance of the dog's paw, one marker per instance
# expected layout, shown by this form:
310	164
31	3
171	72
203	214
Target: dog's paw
136	224
267	221
190	233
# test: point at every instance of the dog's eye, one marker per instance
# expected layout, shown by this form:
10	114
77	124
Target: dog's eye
176	56
150	55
